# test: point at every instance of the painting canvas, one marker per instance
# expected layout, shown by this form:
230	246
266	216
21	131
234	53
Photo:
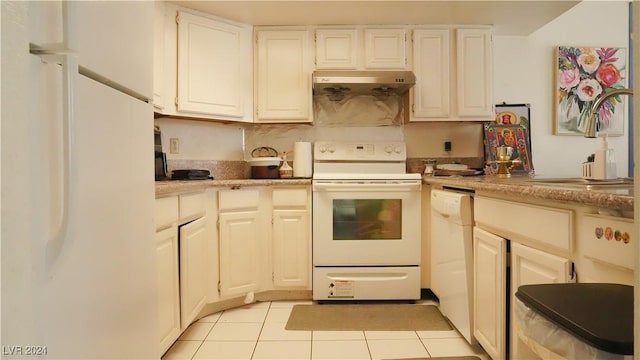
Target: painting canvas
583	74
515	136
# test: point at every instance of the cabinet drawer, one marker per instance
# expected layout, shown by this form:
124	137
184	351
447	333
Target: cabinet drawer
238	199
608	239
290	197
166	211
547	225
191	205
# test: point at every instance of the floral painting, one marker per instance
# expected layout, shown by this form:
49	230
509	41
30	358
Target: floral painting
583	74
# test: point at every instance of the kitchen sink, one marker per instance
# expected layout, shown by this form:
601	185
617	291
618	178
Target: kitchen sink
588	184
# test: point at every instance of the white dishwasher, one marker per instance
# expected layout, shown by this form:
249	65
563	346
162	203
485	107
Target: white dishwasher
452	257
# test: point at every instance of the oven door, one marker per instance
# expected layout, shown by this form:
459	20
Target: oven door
366	222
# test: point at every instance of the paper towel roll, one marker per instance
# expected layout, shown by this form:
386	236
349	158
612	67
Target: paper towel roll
302	159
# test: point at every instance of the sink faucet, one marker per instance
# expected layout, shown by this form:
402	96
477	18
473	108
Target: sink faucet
590	129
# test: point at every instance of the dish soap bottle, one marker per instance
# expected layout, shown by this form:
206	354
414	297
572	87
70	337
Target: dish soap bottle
604	162
286	171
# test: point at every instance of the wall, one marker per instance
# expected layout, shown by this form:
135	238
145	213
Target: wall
523	73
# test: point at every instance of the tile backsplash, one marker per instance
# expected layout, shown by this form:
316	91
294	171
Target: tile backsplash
210	141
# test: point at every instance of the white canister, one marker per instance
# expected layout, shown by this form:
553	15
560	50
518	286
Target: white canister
302	160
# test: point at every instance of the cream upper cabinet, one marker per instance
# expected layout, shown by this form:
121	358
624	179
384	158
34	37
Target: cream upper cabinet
283	76
158	55
473	69
431	65
206	70
360	48
385	48
337	49
453	74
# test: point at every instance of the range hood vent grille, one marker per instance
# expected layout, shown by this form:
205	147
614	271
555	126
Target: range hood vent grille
380	84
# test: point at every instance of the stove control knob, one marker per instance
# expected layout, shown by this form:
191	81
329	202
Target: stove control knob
332	149
322	148
397	149
388	149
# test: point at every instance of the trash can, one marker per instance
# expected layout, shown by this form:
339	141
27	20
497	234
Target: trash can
576	321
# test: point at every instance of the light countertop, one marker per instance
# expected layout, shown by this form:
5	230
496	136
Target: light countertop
612	198
603	197
177	186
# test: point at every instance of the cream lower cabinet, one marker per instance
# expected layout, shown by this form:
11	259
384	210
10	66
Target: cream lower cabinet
168	287
490	292
183	237
240	230
193	277
291	238
531	253
528	267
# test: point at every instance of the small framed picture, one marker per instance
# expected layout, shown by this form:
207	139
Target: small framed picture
514	114
513	135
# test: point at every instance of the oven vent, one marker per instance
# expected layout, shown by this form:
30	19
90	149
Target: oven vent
380	84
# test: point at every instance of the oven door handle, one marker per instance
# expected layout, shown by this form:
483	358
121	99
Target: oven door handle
368	187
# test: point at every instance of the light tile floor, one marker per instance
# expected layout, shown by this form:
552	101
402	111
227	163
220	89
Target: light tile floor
256	331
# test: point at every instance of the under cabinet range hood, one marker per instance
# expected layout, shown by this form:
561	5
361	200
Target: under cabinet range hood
336	84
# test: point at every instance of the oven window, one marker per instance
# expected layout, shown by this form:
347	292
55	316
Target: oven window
367	219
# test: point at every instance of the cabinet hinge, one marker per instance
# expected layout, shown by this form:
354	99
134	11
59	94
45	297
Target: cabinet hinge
175	101
178	18
413	108
219	286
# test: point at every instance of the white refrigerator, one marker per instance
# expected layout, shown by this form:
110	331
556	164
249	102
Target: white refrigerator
78	240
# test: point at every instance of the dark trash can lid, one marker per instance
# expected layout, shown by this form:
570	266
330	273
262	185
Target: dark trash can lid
597	313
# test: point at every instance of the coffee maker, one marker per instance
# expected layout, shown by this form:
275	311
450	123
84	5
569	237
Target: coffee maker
159	155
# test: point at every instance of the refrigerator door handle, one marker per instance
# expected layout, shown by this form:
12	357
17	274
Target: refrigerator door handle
60	239
63	53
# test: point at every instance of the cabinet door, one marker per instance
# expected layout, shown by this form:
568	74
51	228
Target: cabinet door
158	55
193	277
239	263
474	90
213	66
283	88
168	288
385	49
490	292
291	245
431	59
336	49
530	266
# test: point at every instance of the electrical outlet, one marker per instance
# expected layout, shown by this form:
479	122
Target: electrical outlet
447	146
174	146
